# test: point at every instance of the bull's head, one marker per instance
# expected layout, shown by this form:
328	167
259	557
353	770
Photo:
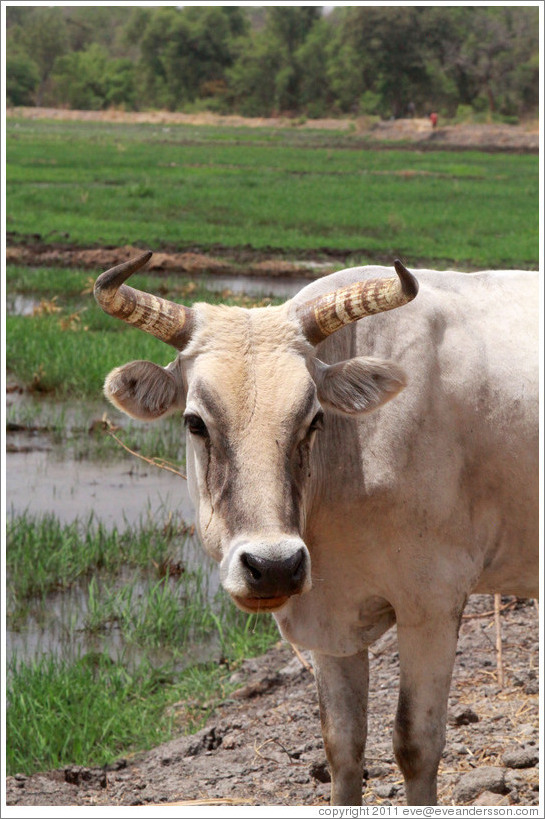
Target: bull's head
253	394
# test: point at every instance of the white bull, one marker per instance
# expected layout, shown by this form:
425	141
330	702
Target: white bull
337	511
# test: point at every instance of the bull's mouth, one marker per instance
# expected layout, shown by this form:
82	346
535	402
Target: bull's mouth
255	605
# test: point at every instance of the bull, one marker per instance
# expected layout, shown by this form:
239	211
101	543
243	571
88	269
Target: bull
338	509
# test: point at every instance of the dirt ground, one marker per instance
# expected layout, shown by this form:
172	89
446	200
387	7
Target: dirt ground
523	137
264	747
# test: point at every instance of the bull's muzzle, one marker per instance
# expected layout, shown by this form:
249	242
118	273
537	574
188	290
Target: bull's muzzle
262	575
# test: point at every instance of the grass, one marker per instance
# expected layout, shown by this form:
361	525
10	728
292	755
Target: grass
87	707
68	345
182	186
92	710
44	555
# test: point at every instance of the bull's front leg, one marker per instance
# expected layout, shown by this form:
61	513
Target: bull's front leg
343	684
426	658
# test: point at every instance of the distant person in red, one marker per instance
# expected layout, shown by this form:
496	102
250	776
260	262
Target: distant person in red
433	119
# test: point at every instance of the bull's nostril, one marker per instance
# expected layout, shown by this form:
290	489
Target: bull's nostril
250	563
299	565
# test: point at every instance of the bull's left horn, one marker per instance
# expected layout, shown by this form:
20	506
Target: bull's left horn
325	314
166	320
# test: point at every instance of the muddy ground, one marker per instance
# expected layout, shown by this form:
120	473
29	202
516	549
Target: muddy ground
264	747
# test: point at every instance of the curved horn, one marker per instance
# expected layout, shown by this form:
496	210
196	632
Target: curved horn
166	320
325	314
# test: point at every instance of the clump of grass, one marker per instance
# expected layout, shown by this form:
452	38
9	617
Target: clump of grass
169	613
91	710
45	555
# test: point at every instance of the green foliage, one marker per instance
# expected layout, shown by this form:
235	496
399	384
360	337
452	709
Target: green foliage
280	58
185	55
90	80
22	79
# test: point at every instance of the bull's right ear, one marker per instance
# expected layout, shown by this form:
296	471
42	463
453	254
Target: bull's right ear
144	390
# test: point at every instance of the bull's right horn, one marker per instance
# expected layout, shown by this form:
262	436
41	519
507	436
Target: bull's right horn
166	320
325	314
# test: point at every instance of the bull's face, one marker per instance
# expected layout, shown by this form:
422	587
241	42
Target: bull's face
253	397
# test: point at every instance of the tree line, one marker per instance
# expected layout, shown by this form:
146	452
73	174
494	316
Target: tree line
387	61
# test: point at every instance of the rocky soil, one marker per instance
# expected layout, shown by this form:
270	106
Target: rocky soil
264	745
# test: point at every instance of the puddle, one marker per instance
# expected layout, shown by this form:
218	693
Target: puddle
282	287
18	305
276	287
58	630
121	494
39	482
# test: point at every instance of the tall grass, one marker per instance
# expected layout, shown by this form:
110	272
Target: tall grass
44	555
92	710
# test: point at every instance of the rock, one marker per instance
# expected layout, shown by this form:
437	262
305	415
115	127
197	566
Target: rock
320	771
521	756
377	771
458	748
79	775
470	785
515	780
386	791
489	798
463	715
206	740
257	688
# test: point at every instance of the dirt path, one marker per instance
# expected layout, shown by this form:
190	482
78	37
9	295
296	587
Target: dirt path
264	745
493	137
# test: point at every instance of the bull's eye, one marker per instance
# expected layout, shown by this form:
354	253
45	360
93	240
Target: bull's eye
317	422
196	425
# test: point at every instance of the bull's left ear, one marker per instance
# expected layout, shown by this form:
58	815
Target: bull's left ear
144	390
357	385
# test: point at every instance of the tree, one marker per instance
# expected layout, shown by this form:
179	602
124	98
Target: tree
44	38
22	80
90	80
268	74
184	50
311	57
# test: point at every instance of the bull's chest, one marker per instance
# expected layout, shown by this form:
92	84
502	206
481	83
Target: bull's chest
335	623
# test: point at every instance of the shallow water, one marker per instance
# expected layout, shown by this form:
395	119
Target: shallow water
42	482
44	477
267	286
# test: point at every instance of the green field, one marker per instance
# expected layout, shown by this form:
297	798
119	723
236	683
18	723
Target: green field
186	186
